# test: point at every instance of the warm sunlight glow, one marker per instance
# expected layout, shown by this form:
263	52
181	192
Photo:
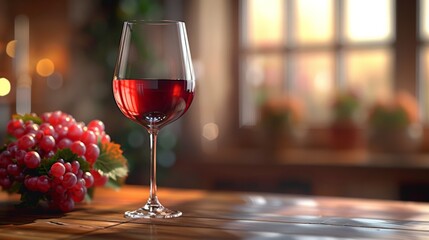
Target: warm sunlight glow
4	87
10	48
265	23
313	83
369	73
314	22
368	20
45	67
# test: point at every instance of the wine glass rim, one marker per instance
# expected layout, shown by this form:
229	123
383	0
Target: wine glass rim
154	22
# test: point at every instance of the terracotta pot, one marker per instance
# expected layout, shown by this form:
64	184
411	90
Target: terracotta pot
345	135
397	140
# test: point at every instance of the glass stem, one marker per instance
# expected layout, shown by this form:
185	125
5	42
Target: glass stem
153	199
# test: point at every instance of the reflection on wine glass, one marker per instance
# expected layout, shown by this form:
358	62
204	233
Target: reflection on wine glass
153	85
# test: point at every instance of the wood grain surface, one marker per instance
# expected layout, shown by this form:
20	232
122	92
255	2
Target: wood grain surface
220	215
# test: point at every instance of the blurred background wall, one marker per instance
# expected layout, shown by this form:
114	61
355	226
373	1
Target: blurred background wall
320	97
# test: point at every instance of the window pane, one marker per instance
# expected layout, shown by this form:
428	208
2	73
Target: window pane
313	84
263	21
314	22
369	73
424	19
263	78
368	20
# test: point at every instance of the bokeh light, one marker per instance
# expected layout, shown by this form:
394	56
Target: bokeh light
210	131
10	48
4	86
45	67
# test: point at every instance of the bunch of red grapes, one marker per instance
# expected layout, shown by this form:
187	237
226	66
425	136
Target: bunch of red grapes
30	161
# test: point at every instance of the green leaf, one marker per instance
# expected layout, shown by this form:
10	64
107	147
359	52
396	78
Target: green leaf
28	117
111	162
90	194
114	183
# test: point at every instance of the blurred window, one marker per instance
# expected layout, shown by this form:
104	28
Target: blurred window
308	49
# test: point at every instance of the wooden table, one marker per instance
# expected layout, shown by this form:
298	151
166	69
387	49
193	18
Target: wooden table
221	215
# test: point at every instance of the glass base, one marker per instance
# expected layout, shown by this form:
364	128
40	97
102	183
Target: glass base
152	210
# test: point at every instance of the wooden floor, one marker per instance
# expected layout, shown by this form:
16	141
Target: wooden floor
220	215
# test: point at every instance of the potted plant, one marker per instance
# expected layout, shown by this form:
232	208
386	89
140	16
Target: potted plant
280	120
394	126
345	132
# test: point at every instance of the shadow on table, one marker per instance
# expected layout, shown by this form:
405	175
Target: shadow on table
10	214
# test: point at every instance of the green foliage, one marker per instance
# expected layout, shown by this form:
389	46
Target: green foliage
388	118
111	162
28	117
345	106
277	120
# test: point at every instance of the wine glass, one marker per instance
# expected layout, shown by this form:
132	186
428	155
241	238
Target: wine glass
153	85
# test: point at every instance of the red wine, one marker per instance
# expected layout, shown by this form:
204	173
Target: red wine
153	102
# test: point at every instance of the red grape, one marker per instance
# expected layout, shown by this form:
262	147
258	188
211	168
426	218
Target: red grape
92	152
78	194
61	130
19	132
5	182
47	143
75	165
31	128
96	125
47	129
64	143
19	156
3	172
43	184
39	135
68	166
88	137
105	138
66	205
14	124
75	132
13	148
54	119
32	159
89	179
70	180
78	147
31	183
45	116
27	141
67	121
5	159
58	169
13	169
59	189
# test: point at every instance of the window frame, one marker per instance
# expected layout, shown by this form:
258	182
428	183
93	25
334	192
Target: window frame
404	62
